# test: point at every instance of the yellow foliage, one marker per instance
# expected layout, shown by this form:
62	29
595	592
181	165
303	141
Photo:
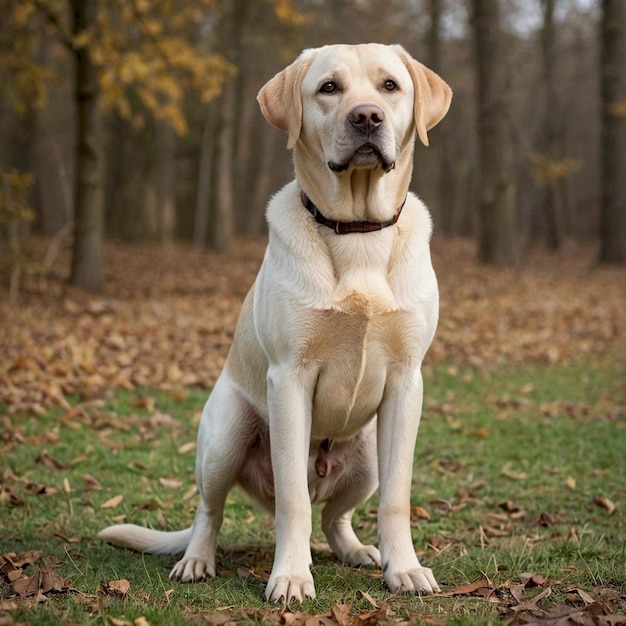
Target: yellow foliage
153	27
161	65
288	13
142	6
26	80
548	171
144	51
23	11
14	206
173	115
617	109
82	40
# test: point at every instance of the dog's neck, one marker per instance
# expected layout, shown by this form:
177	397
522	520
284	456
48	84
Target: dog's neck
356	195
345	228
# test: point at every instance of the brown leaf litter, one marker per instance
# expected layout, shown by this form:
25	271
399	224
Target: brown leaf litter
167	317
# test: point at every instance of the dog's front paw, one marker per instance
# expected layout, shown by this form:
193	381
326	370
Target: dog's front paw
190	570
419	580
290	587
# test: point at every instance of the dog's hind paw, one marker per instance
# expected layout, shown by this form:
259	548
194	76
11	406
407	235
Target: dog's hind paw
364	556
287	588
190	570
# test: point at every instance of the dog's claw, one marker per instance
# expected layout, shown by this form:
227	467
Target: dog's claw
286	589
192	571
418	581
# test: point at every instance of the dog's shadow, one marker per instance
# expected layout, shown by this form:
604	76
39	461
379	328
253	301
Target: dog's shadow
255	561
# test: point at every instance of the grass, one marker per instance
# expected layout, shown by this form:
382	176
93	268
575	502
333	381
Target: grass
516	469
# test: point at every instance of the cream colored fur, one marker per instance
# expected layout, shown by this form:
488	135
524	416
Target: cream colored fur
324	371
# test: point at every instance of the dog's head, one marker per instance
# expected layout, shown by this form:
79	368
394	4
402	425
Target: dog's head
355	106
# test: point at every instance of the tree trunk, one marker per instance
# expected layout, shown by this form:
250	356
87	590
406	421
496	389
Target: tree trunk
165	183
53	148
434	38
223	212
88	188
272	144
613	138
205	179
496	212
439	200
553	196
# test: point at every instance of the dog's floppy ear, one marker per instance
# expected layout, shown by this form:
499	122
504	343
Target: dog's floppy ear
432	96
280	98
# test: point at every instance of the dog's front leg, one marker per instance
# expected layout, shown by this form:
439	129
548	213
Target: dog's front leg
398	422
289	407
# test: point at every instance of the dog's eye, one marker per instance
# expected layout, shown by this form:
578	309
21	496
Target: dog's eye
329	87
390	85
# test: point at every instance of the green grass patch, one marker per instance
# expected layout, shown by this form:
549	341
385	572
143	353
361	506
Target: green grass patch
518	469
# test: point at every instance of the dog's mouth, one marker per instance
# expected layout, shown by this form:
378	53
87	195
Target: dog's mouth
367	155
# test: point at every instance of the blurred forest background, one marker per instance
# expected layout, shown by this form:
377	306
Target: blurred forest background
137	119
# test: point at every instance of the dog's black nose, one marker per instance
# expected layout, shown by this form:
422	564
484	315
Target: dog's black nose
366	117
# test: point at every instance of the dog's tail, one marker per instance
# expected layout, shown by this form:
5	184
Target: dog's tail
147	540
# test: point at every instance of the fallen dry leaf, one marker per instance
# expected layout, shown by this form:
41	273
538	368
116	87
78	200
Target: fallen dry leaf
383	615
113	502
545	520
91	483
116	587
513	474
218	618
481	433
306	619
187	447
171	483
482	588
418	513
605	503
9	570
8	605
29	557
38	489
531	604
576	593
41	582
363	595
596	614
340	614
7	494
44	458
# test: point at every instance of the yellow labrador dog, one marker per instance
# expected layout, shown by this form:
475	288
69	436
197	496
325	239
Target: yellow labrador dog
321	395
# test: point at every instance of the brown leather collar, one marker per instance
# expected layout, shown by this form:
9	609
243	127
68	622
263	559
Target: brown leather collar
345	228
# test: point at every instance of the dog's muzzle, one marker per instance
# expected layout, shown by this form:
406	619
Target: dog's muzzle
366	125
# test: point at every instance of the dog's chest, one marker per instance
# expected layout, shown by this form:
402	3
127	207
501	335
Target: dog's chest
352	353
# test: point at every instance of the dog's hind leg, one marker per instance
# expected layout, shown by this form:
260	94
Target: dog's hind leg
223	440
198	561
357	487
342	539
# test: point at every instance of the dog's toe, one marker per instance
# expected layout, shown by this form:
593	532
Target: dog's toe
420	581
192	570
365	556
286	589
